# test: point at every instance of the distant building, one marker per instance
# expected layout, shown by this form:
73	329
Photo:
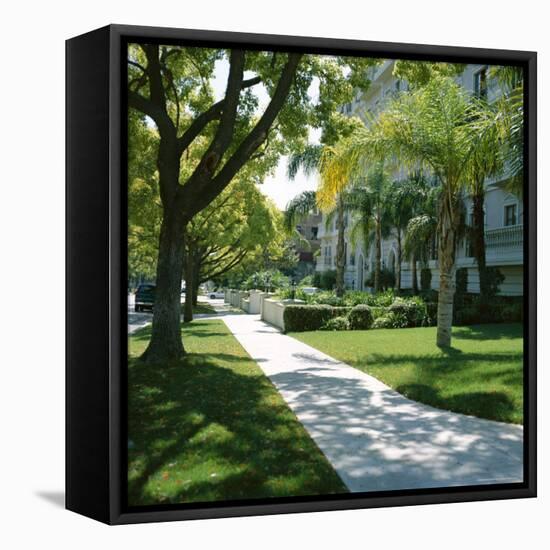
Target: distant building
503	210
308	228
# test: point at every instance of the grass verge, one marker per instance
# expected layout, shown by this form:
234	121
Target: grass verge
214	428
481	375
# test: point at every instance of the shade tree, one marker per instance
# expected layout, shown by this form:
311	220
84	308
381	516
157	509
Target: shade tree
172	88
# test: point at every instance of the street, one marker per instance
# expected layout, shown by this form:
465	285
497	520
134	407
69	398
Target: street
139	320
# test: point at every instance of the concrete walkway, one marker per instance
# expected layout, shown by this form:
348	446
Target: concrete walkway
375	438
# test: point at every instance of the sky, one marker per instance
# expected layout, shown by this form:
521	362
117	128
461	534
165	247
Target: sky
277	187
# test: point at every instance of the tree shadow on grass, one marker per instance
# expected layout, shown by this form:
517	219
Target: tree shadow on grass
491	405
501	373
489	332
441	362
207	432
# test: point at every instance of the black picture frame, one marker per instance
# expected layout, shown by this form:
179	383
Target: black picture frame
96	309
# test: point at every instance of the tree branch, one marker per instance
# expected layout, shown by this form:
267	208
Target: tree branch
201	192
231	265
212	113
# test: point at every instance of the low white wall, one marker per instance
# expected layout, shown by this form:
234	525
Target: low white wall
273	313
245	305
264	296
229	297
255	301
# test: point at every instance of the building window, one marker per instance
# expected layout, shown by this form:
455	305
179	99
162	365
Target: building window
314	232
510	214
352	257
480	83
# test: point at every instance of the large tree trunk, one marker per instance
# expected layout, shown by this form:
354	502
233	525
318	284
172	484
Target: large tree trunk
196	282
446	261
189	283
414	274
478	200
166	343
377	257
398	261
340	249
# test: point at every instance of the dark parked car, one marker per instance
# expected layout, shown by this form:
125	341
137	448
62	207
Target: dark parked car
145	297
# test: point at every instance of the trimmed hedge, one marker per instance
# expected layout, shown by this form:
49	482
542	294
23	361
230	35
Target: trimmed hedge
300	318
361	317
479	313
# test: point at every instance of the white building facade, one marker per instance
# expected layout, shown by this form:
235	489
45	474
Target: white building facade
503	210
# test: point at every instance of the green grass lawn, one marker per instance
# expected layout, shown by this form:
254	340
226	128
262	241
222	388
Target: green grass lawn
202	307
213	427
481	375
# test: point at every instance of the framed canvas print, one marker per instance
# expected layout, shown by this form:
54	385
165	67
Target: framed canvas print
301	274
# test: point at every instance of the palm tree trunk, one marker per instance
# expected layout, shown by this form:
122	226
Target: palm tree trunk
414	274
479	241
398	266
340	249
378	256
446	261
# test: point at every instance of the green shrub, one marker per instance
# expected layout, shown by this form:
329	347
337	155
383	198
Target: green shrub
431	311
336	323
360	317
425	279
387	279
382	299
512	313
413	309
381	322
263	280
324	279
391	320
326	297
461	278
356	297
378	311
494	279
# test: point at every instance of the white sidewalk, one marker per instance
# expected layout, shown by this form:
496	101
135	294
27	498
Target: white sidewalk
375	438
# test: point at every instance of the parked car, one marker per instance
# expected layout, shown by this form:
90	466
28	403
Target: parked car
216	294
310	290
145	297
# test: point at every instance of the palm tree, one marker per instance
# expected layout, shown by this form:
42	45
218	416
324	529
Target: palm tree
421	228
436	127
486	161
403	200
308	160
511	123
369	201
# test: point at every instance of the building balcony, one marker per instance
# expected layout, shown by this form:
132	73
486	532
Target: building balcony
504	238
503	246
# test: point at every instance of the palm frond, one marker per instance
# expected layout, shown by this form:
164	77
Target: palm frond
307	161
298	208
